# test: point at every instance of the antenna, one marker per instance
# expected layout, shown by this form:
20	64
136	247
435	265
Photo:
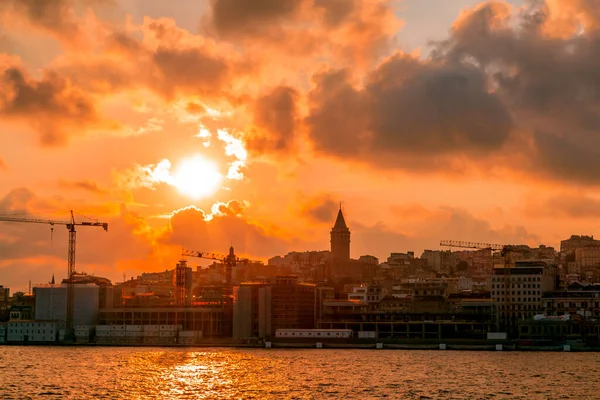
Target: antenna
29	287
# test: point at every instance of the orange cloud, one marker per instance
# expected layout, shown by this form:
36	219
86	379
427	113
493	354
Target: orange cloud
321	209
192	228
53	105
86	185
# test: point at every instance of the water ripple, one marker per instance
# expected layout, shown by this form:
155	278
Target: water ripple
155	373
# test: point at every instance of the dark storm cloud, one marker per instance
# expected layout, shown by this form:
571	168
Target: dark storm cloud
275	115
407	107
231	17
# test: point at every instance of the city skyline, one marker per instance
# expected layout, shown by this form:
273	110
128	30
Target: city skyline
115	110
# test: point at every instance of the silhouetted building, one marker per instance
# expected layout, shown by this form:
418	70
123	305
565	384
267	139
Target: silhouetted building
260	308
51	303
251	310
4	303
340	240
577	241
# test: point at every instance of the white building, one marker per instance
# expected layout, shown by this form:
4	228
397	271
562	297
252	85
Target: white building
366	294
459	284
33	331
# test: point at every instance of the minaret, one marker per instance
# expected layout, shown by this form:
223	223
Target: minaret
340	240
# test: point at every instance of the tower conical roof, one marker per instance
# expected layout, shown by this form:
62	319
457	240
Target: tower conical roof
340	223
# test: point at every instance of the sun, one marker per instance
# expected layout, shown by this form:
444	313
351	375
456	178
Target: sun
197	177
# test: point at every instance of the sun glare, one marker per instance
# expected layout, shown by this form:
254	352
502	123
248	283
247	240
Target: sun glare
197	177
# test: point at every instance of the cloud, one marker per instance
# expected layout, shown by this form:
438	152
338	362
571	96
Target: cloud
336	11
568	205
53	16
239	16
322	209
129	245
85	185
192	228
61	18
52	105
543	68
3	166
275	117
355	31
408	232
189	69
407	110
234	147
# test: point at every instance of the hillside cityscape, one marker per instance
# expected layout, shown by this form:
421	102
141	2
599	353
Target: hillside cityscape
471	293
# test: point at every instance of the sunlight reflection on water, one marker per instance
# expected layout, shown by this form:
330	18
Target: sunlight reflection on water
143	373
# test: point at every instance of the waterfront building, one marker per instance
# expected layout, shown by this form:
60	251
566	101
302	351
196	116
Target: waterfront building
518	290
213	320
260	308
34	331
578	298
51	303
4	303
251	310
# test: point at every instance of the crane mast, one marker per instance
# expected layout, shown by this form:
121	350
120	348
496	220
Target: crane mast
70	225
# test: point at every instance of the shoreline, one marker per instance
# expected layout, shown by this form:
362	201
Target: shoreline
335	346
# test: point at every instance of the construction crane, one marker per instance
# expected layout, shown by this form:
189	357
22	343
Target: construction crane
230	260
71	224
505	251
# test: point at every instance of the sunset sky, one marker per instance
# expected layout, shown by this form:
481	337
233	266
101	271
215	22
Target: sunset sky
202	124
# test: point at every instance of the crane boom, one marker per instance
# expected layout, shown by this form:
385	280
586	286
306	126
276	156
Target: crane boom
230	260
70	225
471	245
